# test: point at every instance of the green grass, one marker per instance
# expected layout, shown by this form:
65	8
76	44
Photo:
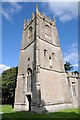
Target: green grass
7	109
9	113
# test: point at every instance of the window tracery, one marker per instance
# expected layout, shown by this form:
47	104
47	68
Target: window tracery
30	30
47	32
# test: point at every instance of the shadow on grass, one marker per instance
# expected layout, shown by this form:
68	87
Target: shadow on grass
33	116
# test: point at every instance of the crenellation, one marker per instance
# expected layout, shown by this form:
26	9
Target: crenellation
25	24
54	22
33	15
72	74
29	22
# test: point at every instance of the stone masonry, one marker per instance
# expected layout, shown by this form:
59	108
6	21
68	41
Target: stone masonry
42	84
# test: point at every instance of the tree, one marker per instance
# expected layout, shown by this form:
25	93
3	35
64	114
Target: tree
0	90
68	66
8	85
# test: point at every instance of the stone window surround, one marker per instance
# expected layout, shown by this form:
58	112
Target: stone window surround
45	52
30	32
47	32
28	61
73	88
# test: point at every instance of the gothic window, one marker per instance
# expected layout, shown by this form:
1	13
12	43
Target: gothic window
73	88
47	32
50	61
29	32
53	54
29	80
28	61
45	53
49	57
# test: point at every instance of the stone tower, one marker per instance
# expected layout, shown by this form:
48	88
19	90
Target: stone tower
41	81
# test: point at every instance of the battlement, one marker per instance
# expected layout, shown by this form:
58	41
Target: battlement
43	16
72	74
46	18
30	20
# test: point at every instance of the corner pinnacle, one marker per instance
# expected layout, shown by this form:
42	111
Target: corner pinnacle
54	21
36	7
25	23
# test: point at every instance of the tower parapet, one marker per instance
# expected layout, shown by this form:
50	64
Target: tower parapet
43	16
72	74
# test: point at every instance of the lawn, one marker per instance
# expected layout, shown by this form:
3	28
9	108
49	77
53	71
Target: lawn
10	114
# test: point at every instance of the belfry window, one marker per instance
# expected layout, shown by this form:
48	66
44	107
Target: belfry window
30	32
47	32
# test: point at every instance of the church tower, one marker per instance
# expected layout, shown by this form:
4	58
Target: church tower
41	81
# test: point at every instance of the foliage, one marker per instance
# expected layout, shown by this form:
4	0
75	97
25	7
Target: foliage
68	66
0	90
8	85
6	109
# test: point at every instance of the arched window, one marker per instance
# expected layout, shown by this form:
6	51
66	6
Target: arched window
47	29
28	61
47	32
50	61
30	32
73	89
53	55
29	79
45	52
